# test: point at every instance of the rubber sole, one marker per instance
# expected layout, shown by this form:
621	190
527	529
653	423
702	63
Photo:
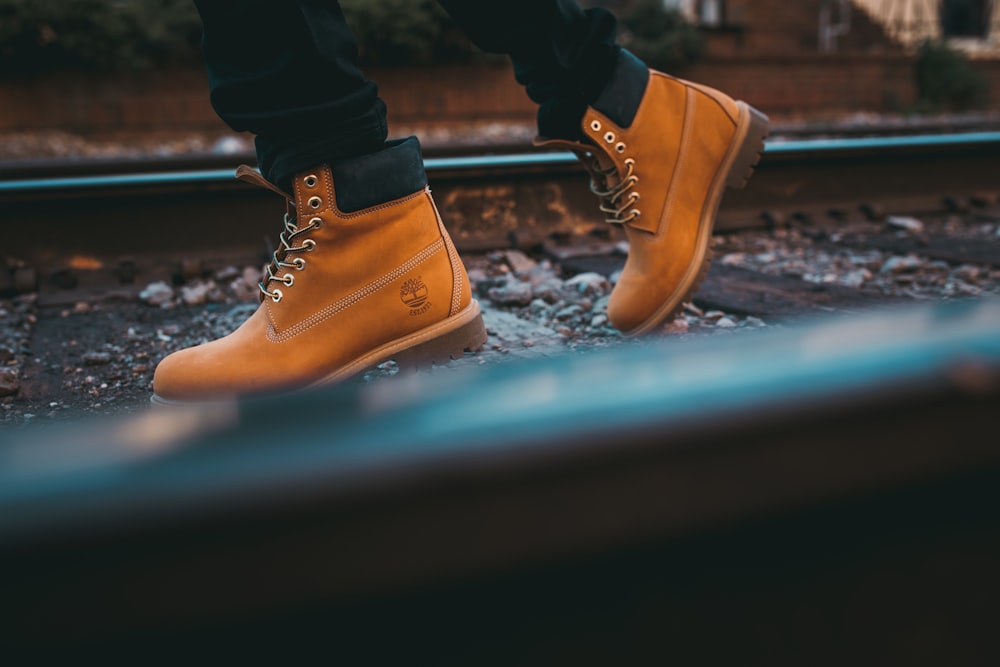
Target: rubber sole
435	345
735	171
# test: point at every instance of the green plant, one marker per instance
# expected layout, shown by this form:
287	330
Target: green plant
40	35
946	81
661	37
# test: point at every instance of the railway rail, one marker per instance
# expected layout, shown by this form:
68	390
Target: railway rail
633	503
489	202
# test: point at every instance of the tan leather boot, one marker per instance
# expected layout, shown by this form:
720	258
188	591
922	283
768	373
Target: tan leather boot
365	272
661	152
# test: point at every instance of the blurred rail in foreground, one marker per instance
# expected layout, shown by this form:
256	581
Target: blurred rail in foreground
818	495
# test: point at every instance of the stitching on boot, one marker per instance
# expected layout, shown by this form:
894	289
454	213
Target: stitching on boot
354	297
682	152
456	288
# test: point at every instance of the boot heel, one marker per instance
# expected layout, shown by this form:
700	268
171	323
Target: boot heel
750	150
439	351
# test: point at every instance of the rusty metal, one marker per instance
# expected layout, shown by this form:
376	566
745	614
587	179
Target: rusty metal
487	201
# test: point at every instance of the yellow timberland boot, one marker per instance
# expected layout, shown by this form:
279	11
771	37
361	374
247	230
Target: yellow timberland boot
365	272
661	151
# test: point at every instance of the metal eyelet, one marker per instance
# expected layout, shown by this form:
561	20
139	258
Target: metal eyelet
299	263
276	295
315	202
635	196
288	279
610	137
311	181
309	245
316	222
620	147
595	125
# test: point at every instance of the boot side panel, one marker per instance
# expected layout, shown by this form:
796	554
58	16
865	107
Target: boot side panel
352	251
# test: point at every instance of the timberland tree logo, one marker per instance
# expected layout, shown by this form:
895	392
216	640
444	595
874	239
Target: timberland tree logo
413	293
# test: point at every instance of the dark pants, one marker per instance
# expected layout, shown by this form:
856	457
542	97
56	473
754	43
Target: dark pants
287	71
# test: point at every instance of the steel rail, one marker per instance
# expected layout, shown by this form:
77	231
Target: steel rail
475	165
152	219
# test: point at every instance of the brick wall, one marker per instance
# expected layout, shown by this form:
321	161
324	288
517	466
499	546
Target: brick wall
786	27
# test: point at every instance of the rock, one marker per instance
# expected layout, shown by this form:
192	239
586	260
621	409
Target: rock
714	315
725	323
10	384
969	273
513	293
227	274
693	309
197	293
896	265
909	224
678	326
518	261
157	294
754	322
550	291
569	312
856	278
733	259
96	358
6	354
598	321
230	145
589	283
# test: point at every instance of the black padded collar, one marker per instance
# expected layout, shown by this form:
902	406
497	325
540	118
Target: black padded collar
394	171
620	99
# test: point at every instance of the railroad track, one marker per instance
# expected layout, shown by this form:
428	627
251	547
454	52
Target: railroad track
79	229
489	202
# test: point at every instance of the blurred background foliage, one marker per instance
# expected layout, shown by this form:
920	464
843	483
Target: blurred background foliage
133	35
947	81
44	35
661	37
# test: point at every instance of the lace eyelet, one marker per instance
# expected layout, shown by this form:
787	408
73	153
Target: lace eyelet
299	263
620	147
609	137
311	181
309	245
288	279
316	222
276	295
595	125
315	202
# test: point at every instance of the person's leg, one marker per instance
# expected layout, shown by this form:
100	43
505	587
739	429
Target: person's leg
365	271
287	71
661	150
563	55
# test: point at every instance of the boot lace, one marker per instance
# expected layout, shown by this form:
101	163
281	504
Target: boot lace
281	257
618	200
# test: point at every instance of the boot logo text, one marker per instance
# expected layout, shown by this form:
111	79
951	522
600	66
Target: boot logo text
413	294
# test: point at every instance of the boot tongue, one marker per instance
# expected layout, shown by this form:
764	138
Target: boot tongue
248	174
